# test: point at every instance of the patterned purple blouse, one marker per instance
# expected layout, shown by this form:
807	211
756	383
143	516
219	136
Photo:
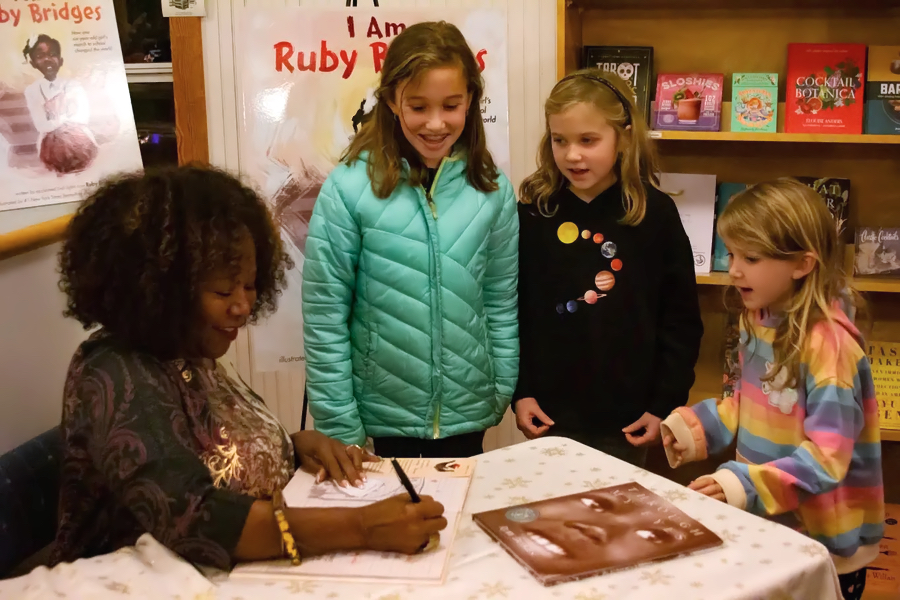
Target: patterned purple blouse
174	448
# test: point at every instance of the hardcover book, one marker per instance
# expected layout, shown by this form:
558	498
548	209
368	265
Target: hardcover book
835	192
634	64
825	88
754	102
885	360
586	534
877	252
883	90
689	102
725	193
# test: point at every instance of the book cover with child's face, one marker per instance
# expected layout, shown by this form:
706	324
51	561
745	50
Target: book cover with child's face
584	534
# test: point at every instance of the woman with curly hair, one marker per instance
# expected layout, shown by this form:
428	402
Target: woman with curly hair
158	437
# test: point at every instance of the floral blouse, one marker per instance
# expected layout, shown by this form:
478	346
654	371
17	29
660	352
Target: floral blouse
174	448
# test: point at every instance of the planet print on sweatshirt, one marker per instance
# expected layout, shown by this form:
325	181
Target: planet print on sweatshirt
604	280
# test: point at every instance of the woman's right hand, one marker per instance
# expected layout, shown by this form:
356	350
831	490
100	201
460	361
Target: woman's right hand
399	525
528	409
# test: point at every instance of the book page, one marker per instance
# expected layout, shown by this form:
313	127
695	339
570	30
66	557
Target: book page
445	481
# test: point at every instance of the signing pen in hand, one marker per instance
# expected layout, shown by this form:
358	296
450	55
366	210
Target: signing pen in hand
405	481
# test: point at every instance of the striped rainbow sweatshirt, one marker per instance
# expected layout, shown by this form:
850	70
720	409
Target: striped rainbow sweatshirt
809	458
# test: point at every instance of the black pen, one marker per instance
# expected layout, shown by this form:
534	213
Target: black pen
405	481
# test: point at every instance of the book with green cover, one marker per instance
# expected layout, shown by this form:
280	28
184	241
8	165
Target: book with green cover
754	102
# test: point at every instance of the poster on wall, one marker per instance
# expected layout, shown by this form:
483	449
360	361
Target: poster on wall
308	75
65	112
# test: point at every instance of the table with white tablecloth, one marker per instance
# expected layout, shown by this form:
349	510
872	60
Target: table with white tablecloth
759	559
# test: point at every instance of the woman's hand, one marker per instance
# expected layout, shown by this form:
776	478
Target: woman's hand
326	457
399	525
528	409
650	424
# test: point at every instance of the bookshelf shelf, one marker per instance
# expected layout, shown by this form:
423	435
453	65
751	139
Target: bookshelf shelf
862	284
801	138
714	278
890	435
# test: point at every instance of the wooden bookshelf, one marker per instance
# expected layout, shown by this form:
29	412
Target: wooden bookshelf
714	36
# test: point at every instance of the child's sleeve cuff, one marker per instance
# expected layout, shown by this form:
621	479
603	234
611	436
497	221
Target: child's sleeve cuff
733	488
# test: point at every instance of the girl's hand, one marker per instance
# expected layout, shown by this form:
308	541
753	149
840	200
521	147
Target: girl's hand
650	424
399	525
708	486
325	457
527	409
678	449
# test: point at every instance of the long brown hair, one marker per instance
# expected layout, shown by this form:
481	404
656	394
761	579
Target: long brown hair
783	220
417	50
637	161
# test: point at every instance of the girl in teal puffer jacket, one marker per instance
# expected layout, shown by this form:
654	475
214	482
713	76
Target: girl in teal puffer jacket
409	285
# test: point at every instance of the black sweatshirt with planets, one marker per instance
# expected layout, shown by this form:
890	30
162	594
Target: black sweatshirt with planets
609	319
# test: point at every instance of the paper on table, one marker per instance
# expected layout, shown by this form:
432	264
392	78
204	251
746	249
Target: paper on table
445	481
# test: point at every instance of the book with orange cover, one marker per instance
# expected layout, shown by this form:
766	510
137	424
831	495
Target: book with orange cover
586	534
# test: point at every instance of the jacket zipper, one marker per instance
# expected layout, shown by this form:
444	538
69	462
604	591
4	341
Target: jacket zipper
436	422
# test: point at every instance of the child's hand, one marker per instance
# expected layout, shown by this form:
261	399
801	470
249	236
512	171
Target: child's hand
527	409
678	450
650	425
708	486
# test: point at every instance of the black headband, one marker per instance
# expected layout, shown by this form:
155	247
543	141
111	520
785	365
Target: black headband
609	85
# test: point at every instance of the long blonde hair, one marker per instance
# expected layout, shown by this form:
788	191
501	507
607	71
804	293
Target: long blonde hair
417	50
637	163
784	220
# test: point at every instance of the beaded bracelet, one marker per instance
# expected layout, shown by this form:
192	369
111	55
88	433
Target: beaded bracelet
287	539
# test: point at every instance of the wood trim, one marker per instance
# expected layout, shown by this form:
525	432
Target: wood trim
190	90
561	38
33	237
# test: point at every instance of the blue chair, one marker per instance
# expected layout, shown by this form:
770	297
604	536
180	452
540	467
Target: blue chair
29	494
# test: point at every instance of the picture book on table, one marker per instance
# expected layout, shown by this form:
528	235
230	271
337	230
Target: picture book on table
695	198
877	252
445	480
689	101
724	195
754	102
634	64
589	533
884	358
883	90
825	85
835	191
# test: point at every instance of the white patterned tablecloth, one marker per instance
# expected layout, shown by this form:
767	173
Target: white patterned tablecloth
759	560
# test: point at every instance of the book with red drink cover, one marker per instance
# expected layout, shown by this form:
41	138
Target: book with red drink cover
825	84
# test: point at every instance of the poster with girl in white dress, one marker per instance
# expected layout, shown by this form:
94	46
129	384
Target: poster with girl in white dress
65	111
307	79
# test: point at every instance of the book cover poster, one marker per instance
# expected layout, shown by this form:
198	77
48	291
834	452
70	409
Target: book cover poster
885	360
306	79
883	90
695	197
634	64
825	88
573	537
877	252
691	102
65	111
754	102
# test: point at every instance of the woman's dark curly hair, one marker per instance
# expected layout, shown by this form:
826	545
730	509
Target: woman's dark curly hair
138	248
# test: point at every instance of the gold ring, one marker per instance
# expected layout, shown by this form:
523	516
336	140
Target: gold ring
434	540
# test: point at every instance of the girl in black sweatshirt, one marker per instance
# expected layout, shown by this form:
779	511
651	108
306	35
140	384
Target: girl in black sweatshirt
609	320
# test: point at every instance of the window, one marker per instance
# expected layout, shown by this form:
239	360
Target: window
143	31
154	118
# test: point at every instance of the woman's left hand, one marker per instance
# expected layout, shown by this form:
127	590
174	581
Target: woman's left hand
326	457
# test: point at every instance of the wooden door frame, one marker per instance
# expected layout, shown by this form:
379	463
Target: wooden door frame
190	90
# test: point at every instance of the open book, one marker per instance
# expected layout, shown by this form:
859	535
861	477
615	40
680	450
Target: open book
578	536
447	481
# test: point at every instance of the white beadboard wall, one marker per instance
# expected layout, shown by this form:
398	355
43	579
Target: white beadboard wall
531	30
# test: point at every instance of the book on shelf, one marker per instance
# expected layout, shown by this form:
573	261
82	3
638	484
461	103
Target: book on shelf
754	102
883	574
582	535
883	90
634	64
695	198
825	85
884	358
877	252
725	193
689	101
835	191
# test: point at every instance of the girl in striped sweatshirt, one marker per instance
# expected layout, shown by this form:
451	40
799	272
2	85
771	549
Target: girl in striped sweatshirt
803	410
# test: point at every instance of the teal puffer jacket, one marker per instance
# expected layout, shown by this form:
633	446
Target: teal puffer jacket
410	306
